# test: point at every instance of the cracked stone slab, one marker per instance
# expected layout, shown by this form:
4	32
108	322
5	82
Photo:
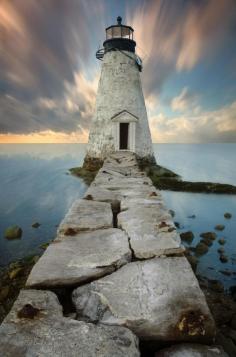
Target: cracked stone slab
125	182
36	327
157	299
130	202
102	194
81	258
85	215
192	350
150	229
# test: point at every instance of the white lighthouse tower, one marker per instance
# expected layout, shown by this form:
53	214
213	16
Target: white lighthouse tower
120	121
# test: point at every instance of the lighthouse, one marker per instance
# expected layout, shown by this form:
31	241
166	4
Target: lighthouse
120	122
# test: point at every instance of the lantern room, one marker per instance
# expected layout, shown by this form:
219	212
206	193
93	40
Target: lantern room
120	37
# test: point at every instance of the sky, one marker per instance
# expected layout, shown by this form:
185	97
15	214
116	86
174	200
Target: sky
49	73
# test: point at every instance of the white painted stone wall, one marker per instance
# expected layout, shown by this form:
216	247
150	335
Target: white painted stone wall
119	90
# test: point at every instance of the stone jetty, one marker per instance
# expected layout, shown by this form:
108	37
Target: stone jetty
115	278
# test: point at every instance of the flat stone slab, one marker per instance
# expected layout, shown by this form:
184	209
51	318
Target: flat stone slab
192	350
102	194
158	299
36	327
81	258
86	215
150	229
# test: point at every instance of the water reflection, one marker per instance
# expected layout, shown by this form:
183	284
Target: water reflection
35	187
209	211
199	162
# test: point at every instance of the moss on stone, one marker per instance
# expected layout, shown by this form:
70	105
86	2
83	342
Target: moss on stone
165	179
12	280
13	232
89	169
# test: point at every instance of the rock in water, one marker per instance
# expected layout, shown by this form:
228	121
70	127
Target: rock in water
36	327
227	215
13	232
187	236
223	258
85	256
36	225
219	227
157	299
208	235
201	248
192	350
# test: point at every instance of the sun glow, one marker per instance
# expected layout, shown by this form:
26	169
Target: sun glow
45	137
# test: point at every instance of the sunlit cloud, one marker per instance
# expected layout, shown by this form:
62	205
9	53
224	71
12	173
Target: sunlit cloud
206	126
185	101
49	74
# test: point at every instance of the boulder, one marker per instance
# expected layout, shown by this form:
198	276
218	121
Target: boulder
193	262
207	241
158	299
192	350
227	215
13	232
86	215
36	327
83	257
36	225
187	236
219	227
224	258
201	248
222	241
208	235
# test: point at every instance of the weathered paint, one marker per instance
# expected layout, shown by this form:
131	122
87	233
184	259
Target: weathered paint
119	99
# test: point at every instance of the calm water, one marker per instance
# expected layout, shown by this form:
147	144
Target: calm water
35	186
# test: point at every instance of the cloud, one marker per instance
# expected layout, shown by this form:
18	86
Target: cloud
177	35
184	101
72	112
48	73
45	42
207	126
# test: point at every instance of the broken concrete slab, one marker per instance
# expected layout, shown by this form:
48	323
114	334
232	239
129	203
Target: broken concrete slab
36	327
86	215
81	258
192	350
158	299
150	229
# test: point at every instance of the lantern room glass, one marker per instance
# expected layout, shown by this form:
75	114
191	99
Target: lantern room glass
119	32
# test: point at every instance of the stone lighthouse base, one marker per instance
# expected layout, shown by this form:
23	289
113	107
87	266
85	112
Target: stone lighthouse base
91	165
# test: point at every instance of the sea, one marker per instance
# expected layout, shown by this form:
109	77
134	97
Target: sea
36	186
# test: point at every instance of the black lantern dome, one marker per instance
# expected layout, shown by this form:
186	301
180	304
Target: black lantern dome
119	37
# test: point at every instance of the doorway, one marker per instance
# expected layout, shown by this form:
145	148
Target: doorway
124	134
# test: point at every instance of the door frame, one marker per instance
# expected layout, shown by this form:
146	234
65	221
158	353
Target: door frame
124	117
